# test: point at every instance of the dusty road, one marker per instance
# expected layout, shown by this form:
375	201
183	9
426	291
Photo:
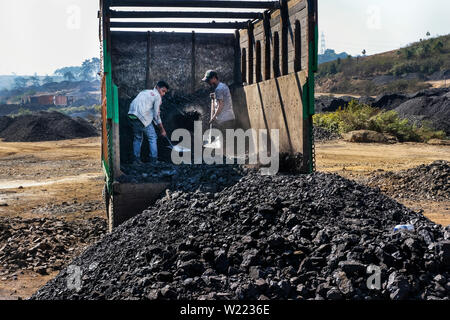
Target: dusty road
63	180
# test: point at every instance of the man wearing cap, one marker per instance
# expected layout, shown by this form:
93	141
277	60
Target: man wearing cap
223	115
144	109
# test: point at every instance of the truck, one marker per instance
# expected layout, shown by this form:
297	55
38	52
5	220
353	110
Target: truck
265	50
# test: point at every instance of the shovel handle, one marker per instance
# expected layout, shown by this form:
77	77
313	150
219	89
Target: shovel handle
168	140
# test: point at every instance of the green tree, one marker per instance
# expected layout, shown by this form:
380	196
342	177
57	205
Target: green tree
35	80
20	82
47	79
69	76
90	68
438	46
333	68
75	71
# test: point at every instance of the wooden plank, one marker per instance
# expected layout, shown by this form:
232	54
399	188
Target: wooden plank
196	4
185	14
182	25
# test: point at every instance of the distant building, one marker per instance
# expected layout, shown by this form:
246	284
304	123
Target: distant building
47	100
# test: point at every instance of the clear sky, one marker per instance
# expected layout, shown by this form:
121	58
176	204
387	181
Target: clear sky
43	35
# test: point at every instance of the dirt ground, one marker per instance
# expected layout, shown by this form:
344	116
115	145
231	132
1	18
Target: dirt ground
61	179
50	175
64	180
439	83
359	161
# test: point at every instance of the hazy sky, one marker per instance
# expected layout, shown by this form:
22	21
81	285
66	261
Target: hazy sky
43	35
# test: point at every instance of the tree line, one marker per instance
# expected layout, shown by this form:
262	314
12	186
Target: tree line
88	71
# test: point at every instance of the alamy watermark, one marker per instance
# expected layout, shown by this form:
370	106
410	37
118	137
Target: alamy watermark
374	280
254	147
73	17
73	280
374	17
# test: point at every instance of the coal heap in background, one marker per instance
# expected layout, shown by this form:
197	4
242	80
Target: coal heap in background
430	106
430	182
266	237
45	126
5	122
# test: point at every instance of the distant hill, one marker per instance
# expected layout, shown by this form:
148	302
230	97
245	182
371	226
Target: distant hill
331	55
7	81
404	70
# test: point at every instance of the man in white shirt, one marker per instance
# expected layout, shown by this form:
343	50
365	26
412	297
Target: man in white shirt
144	109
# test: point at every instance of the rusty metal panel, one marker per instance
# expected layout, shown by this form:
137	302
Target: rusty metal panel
43	100
61	100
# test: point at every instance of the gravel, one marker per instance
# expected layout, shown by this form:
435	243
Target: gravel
322	134
266	237
431	182
44	244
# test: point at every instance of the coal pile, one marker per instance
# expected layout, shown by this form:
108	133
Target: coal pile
431	182
46	126
266	237
5	122
331	104
432	109
322	134
430	106
44	244
184	177
389	101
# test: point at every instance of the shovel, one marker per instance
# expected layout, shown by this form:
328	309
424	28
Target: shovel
216	144
177	148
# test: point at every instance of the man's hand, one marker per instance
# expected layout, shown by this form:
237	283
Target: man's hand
213	119
162	130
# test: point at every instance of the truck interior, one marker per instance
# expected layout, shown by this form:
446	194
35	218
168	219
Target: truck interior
265	51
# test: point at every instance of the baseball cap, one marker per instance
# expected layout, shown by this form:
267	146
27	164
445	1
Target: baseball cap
209	74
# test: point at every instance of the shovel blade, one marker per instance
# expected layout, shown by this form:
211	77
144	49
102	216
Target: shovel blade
179	149
213	145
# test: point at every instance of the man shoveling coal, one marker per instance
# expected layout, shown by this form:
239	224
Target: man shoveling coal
144	110
222	115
